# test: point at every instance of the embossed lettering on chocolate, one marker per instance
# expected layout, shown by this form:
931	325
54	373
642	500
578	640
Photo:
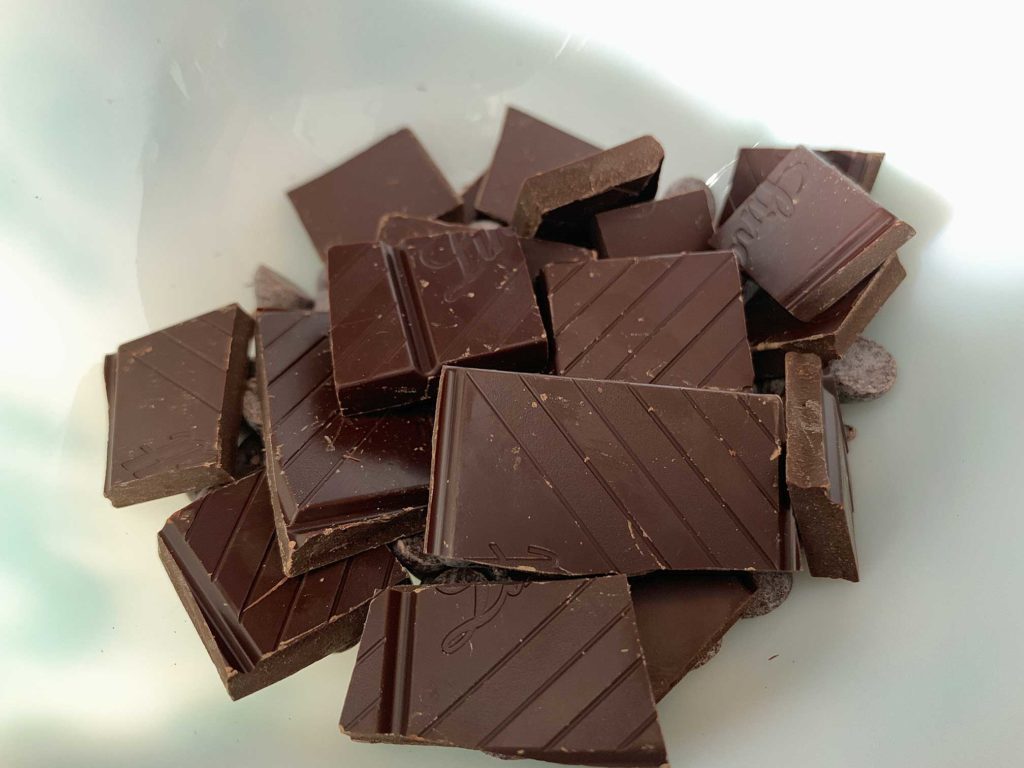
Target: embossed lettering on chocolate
544	670
575	476
808	234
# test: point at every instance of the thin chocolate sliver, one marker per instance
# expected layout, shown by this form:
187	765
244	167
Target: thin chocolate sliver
566	476
672	225
258	625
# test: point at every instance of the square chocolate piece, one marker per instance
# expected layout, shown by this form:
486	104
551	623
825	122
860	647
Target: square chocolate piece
674	224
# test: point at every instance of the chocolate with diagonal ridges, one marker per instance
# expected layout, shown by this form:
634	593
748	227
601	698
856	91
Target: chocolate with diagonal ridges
681	617
673	320
398	315
807	235
544	670
175	407
571	476
339	485
258	625
671	225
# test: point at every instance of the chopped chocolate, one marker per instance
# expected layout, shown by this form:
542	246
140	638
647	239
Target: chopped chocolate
807	235
557	475
396	228
681	617
672	225
338	485
394	175
673	320
817	474
865	372
691	184
560	204
527	146
258	625
398	316
275	291
770	591
175	408
544	670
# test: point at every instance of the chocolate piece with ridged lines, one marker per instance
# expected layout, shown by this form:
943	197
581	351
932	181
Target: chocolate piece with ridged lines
808	234
258	625
672	320
567	476
671	225
175	402
338	485
545	670
817	473
398	315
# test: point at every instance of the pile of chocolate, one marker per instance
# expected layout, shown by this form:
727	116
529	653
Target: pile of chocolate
527	447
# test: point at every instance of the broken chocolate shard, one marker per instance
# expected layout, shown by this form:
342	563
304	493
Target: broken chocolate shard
175	408
672	320
395	175
817	473
257	625
275	291
807	235
527	146
671	225
866	372
566	476
484	666
692	184
338	485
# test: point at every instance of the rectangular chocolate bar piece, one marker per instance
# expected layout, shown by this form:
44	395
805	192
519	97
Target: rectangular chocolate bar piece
560	204
682	616
817	473
396	174
754	164
338	485
258	625
567	476
673	320
807	235
773	331
397	316
543	670
672	225
175	407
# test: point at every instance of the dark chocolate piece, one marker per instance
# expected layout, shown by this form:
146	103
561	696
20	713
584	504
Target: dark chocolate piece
572	476
770	591
398	316
673	320
394	175
396	228
176	407
409	551
339	485
544	670
275	291
807	235
527	146
538	253
773	331
865	372
257	625
817	474
681	617
754	164
672	225
560	204
691	184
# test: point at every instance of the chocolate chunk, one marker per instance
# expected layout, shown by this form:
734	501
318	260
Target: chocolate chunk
252	409
544	670
671	225
817	474
409	551
398	316
673	320
568	476
338	485
691	184
807	235
560	204
770	591
773	331
865	372
275	291
175	408
396	228
394	175
541	252
754	164
257	625
681	617
527	146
